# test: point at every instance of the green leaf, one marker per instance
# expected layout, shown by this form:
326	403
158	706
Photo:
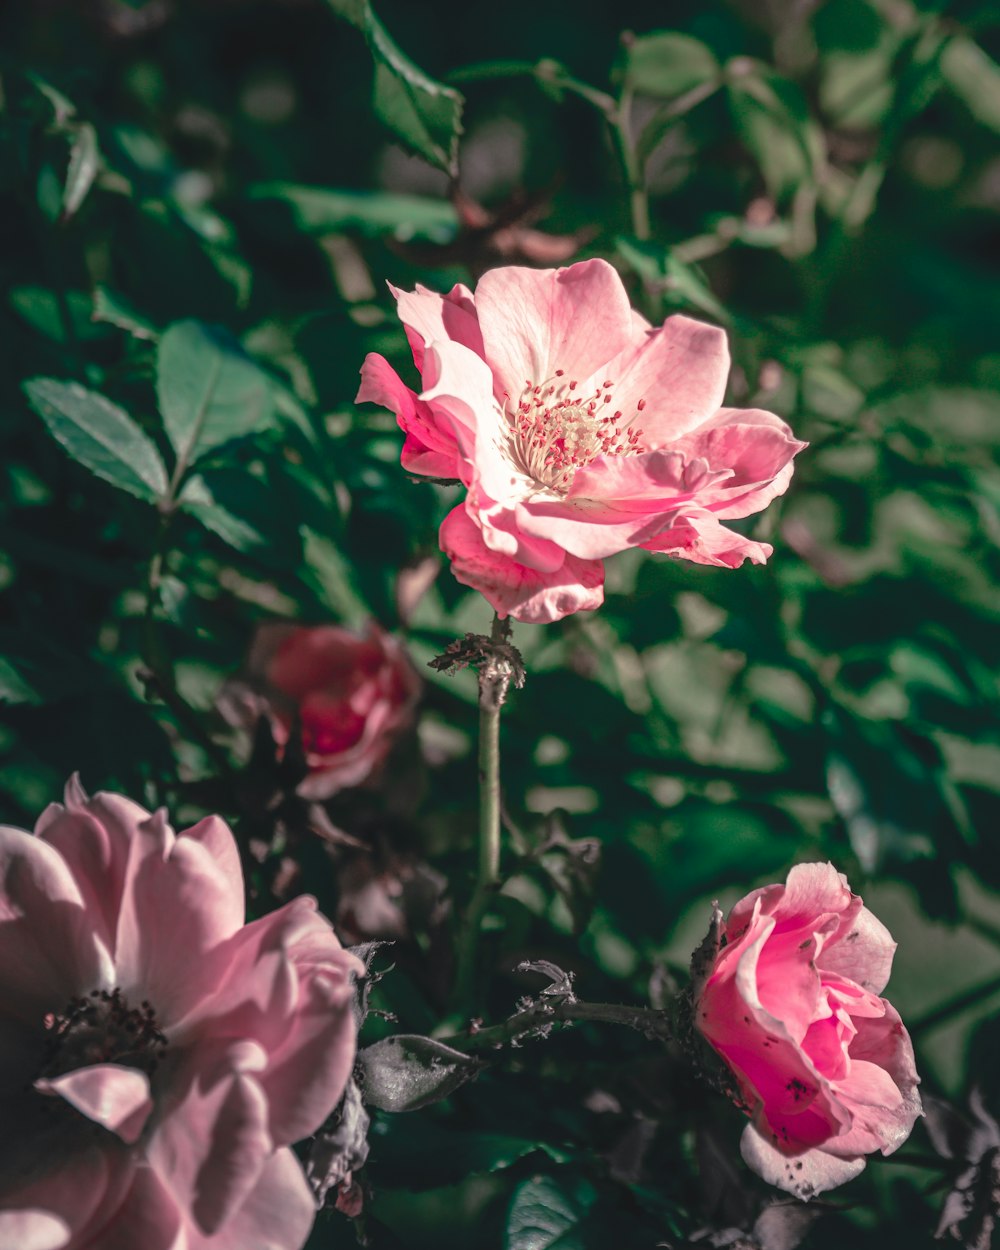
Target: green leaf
39	307
111	307
681	285
974	77
240	509
666	64
84	162
209	390
772	117
100	436
319	210
424	114
546	1214
406	1072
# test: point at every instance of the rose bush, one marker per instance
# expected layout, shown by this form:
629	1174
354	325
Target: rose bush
351	695
578	430
824	1066
159	1055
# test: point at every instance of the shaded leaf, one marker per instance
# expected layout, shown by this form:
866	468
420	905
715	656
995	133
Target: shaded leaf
209	390
405	1072
681	285
84	162
319	210
100	436
665	64
546	1213
424	114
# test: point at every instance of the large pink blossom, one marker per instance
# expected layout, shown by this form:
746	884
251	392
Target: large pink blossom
824	1065
578	430
158	1055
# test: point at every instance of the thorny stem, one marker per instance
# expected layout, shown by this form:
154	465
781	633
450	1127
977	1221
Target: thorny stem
495	674
543	1014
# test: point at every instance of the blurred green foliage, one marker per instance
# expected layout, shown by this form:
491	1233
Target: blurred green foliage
202	206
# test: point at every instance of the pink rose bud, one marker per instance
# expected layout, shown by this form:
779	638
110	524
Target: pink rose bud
159	1055
790	1000
352	696
578	430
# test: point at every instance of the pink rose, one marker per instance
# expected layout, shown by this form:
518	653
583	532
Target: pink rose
159	1056
351	694
791	1002
577	430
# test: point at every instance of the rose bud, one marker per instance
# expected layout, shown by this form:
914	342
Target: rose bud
349	695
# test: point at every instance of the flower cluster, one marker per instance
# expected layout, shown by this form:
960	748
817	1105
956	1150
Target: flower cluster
577	430
159	1055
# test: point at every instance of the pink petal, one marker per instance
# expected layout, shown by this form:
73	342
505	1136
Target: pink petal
217	838
73	1190
804	1175
111	1095
813	890
679	371
429	316
278	1214
537	321
48	950
513	589
655	481
430	447
178	904
582	530
307	1072
148	1218
211	1145
698	536
32	1230
756	446
862	952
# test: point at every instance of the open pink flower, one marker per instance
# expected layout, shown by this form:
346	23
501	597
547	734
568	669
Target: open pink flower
578	430
158	1055
791	1002
350	694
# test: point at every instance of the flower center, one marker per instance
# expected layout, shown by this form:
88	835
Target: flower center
553	431
102	1028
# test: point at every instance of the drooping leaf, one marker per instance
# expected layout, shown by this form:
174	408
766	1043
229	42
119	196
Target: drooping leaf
100	436
682	285
209	390
974	77
84	163
772	117
40	308
240	508
407	1071
424	114
114	308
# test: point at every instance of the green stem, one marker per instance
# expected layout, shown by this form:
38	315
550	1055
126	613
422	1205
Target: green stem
494	678
632	168
542	1015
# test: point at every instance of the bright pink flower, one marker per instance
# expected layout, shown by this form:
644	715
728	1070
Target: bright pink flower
351	694
824	1065
158	1055
578	430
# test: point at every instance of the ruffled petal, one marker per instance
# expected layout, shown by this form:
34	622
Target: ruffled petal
698	536
535	321
514	589
148	1218
48	949
278	1214
210	1147
430	447
114	1096
427	316
677	372
804	1175
861	951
